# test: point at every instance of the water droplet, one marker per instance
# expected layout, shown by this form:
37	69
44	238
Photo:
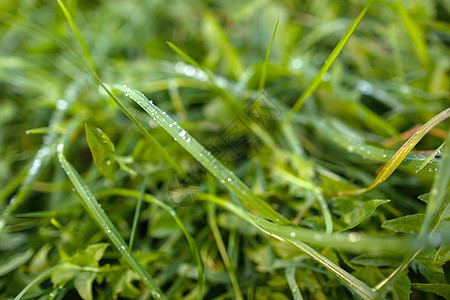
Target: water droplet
384	155
107	230
182	133
174	139
121	248
292	234
62	104
188	140
354	237
229	179
257	220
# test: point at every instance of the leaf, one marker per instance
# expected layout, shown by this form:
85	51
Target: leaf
437	288
63	274
97	250
83	284
102	150
359	214
405	224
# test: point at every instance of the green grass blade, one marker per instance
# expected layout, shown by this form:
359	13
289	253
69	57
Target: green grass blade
439	191
326	66
430	157
150	199
262	80
294	236
102	220
292	282
204	157
37	279
137	213
396	160
77	32
212	221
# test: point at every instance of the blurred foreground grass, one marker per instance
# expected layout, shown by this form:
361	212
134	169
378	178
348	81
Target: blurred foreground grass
218	201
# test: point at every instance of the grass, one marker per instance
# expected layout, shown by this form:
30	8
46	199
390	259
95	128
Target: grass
256	170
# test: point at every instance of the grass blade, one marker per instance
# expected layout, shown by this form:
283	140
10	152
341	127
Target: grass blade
326	66
150	199
102	220
212	221
292	282
204	157
284	233
396	160
262	80
136	214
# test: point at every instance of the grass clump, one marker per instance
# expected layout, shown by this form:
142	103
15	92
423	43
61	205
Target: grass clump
256	169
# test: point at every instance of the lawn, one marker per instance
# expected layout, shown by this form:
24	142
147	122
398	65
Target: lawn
224	149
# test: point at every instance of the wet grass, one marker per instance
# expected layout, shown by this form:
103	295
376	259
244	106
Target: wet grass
191	150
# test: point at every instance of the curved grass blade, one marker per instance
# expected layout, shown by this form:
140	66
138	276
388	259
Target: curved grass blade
326	66
150	199
204	157
102	220
39	278
437	200
333	132
396	160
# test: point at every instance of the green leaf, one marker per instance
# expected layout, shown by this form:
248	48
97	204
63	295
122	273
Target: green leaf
83	284
439	289
97	250
63	274
405	224
359	214
102	150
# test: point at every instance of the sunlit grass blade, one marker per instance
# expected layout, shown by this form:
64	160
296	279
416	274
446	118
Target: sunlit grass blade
262	80
204	157
150	199
212	221
326	66
104	223
438	199
333	132
396	160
